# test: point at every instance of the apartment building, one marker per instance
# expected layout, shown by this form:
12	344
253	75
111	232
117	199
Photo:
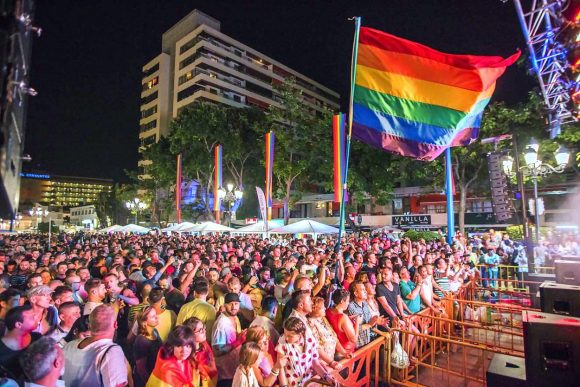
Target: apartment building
200	63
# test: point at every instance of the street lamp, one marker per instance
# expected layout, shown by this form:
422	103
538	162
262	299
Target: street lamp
39	213
135	206
230	195
534	168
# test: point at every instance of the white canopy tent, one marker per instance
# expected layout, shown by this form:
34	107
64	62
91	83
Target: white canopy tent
306	226
114	228
178	227
207	227
257	228
134	228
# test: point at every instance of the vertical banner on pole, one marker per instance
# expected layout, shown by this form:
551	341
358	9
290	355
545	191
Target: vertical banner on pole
269	161
178	183
339	148
217	181
449	193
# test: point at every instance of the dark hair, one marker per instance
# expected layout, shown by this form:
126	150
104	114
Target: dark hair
339	296
9	293
192	322
269	303
156	295
60	290
92	283
298	296
66	305
180	336
352	287
294	324
16	315
201	286
80	325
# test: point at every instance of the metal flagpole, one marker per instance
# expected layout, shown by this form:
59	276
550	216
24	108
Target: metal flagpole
357	22
449	194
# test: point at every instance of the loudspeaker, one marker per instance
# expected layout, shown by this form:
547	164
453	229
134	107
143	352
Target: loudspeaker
552	349
506	371
534	288
560	299
567	272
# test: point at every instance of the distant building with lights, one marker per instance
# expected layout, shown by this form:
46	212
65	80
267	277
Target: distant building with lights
56	191
85	217
199	63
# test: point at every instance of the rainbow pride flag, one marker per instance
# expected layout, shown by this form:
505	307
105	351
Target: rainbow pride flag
338	145
217	177
415	101
269	160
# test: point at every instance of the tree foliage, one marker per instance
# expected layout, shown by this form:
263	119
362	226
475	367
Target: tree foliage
303	153
195	133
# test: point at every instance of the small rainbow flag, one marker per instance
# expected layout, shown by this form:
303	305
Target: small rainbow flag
178	183
415	101
217	176
338	141
269	160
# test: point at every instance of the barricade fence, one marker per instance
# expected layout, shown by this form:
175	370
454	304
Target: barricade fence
452	345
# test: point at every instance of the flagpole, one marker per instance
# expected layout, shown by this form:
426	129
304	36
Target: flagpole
449	194
357	22
178	189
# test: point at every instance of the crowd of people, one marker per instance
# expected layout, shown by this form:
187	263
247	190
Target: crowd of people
183	310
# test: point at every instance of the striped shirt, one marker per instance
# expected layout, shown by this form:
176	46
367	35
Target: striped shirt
443	281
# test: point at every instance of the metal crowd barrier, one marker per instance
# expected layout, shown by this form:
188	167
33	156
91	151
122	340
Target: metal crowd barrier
451	349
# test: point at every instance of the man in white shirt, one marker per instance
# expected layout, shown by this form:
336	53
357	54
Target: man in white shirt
226	338
96	360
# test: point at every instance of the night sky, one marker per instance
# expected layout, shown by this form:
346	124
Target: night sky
87	65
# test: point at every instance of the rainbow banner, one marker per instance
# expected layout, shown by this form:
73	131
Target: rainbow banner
178	183
415	101
339	147
217	178
269	161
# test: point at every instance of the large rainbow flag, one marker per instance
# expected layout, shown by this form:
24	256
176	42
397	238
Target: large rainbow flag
415	101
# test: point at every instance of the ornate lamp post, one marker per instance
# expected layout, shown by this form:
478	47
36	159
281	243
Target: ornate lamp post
534	168
230	196
39	213
135	206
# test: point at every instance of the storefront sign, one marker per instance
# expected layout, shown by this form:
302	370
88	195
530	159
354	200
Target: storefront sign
411	220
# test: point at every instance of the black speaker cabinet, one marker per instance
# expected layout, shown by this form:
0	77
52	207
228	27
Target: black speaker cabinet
552	349
567	272
560	299
506	371
534	287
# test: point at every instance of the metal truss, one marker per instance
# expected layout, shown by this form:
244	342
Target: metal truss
542	25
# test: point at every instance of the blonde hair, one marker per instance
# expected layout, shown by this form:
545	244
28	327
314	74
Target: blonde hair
256	334
249	354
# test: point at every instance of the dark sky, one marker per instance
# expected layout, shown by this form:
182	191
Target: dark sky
86	66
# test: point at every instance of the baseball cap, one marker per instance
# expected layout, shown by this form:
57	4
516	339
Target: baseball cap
231	297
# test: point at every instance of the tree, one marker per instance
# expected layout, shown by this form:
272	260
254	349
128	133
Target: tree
303	142
524	120
194	133
110	207
159	180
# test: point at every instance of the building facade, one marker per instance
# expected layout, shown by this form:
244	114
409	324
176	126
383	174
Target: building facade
85	217
60	191
200	63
